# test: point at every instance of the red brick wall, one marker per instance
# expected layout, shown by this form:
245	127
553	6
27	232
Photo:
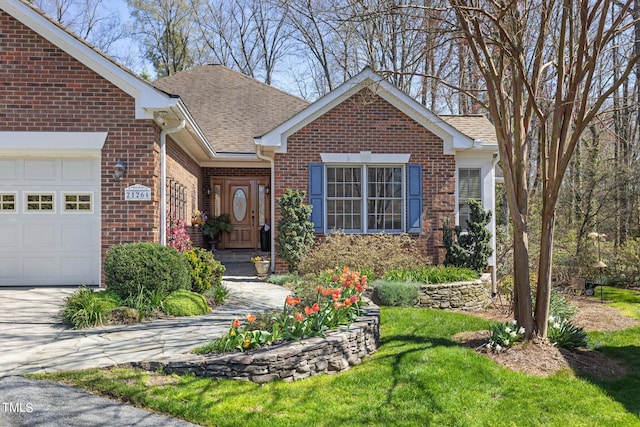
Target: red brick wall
378	127
44	89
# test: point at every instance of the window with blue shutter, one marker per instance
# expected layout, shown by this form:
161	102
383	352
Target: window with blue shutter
316	195
414	198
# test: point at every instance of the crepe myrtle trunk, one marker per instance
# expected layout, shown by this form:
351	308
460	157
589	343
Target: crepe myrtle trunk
543	290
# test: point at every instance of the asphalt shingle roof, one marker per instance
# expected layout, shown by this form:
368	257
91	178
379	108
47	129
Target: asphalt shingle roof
475	126
230	107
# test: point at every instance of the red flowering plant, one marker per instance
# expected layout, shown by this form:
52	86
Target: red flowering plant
336	304
177	236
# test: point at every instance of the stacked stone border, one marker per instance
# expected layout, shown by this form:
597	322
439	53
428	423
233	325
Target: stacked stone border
288	361
463	295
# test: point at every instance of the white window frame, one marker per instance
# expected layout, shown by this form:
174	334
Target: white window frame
364	182
460	201
63	201
39	193
16	202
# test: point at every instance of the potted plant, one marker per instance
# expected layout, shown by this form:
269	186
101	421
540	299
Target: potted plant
262	264
216	225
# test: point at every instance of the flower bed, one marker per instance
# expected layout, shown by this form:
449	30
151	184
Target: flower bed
288	361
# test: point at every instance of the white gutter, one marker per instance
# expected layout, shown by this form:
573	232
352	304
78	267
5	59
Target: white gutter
494	273
163	179
272	202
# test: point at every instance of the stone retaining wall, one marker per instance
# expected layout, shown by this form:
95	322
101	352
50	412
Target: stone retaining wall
463	295
289	361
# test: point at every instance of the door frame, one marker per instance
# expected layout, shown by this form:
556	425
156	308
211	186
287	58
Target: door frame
221	199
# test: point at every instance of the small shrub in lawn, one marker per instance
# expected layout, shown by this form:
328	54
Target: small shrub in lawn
86	308
206	272
397	294
504	335
431	275
185	303
370	254
150	266
564	334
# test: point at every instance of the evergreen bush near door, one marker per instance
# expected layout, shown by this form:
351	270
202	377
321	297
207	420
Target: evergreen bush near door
472	248
295	230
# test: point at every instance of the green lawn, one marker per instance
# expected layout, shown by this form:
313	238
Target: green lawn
419	376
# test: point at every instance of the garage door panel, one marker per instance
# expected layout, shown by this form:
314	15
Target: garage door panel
9	269
37	236
40	169
9	169
79	170
40	267
9	231
78	236
76	269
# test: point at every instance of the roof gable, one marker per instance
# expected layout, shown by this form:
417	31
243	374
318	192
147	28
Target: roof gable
150	102
231	108
453	139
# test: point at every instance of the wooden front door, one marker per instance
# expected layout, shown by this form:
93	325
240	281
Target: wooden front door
244	200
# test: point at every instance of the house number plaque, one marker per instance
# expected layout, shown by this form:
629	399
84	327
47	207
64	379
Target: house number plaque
137	192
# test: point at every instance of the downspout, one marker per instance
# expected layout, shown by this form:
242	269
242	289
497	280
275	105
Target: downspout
494	279
163	179
272	203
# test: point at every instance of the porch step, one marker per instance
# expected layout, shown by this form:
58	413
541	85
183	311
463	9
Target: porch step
237	255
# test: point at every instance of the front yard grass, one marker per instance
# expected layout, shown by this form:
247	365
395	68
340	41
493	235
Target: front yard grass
419	376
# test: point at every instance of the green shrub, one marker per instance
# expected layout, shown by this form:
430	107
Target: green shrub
218	293
431	275
473	248
206	272
371	254
399	294
124	316
86	308
295	231
564	334
133	266
185	303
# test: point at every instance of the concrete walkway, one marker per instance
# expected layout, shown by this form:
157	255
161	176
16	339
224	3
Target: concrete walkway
33	340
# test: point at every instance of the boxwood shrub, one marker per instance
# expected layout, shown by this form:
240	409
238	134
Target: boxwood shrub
185	303
397	294
130	267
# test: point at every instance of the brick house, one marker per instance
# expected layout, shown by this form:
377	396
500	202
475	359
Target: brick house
91	155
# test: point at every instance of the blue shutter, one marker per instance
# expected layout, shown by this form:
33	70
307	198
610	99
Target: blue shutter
316	195
414	198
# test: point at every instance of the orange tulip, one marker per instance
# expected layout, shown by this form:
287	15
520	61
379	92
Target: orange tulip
235	323
291	300
251	318
299	317
308	310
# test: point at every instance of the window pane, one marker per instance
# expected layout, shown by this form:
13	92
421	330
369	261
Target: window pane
469	187
343	197
384	200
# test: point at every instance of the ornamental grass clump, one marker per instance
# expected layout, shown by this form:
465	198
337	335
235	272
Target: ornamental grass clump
337	303
504	335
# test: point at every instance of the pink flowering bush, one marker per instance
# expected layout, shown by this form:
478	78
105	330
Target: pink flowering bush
338	303
177	236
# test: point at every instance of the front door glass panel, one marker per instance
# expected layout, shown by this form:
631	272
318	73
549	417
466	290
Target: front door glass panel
239	205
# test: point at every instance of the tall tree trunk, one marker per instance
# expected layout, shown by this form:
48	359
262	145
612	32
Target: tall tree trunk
543	290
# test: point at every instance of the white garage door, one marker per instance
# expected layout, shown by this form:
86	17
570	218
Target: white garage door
49	221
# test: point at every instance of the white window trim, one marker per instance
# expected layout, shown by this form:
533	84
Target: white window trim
26	195
16	202
364	198
458	201
365	158
63	202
